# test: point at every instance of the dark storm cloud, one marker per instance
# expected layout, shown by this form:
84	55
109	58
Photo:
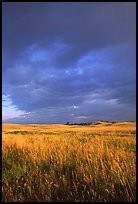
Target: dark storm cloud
84	26
70	57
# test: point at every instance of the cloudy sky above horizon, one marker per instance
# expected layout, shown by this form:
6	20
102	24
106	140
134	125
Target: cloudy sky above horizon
68	61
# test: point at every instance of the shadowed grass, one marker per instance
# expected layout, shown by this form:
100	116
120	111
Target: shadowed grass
74	165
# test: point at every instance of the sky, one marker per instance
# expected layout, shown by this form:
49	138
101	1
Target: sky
71	61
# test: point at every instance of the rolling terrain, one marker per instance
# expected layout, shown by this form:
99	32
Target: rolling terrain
95	162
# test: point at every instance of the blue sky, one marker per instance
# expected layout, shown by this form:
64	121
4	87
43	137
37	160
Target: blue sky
70	61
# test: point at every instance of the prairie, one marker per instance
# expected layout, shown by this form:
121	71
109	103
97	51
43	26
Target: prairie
74	163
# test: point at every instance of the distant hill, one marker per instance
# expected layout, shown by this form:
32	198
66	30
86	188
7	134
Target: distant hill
100	123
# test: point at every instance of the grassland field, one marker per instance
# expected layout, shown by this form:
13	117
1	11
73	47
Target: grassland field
69	163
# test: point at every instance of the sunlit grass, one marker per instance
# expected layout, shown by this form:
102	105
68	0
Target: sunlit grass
69	163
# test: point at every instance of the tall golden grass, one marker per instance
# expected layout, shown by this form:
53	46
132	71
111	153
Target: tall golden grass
69	163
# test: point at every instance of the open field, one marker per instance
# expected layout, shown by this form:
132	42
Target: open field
69	162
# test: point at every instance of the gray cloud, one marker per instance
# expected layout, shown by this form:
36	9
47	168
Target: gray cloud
62	55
